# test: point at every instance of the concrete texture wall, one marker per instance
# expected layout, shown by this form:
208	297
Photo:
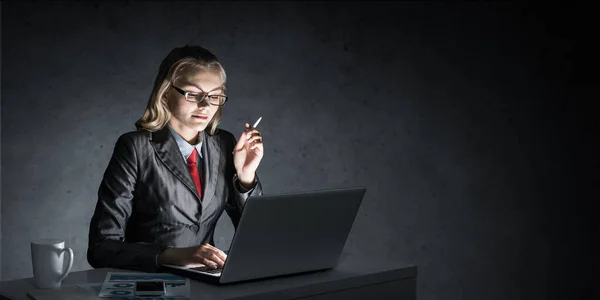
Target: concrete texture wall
0	142
456	117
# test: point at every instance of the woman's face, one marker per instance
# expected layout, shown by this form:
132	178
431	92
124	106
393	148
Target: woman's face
188	118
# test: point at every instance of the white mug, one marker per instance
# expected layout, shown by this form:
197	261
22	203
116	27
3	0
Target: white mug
48	260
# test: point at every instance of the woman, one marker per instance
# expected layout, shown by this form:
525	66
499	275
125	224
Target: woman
167	183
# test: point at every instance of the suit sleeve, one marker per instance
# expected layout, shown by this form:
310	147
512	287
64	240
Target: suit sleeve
237	193
107	245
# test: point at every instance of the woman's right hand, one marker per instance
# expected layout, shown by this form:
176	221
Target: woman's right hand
192	257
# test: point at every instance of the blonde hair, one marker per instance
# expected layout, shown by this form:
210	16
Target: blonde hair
181	62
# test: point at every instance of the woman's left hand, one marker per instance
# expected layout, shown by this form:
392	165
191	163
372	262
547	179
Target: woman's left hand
247	155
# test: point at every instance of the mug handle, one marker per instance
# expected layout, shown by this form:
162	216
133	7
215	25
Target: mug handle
66	272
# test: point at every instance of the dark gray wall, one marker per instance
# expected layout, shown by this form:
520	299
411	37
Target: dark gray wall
459	119
0	143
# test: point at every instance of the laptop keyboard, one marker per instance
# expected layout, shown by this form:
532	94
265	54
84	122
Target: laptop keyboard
208	270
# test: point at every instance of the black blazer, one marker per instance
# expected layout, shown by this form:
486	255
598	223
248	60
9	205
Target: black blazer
147	200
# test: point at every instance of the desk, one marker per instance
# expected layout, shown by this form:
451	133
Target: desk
353	278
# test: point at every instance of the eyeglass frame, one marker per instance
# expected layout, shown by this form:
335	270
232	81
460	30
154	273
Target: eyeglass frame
204	96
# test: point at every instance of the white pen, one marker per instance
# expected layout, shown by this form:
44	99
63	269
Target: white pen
253	126
256	123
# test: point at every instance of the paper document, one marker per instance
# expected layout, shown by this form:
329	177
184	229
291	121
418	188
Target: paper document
121	286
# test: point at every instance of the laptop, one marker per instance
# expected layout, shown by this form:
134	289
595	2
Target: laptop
285	234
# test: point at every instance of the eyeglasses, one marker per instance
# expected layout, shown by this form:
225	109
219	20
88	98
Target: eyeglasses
217	100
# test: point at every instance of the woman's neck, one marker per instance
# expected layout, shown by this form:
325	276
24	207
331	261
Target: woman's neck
189	135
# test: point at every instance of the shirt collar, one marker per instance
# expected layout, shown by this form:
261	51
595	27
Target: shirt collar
184	147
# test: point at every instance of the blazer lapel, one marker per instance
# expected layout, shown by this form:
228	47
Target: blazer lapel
167	150
211	159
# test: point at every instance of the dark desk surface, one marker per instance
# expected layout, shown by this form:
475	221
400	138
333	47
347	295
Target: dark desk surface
351	272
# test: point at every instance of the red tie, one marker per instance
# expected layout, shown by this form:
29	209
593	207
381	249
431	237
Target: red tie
193	168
